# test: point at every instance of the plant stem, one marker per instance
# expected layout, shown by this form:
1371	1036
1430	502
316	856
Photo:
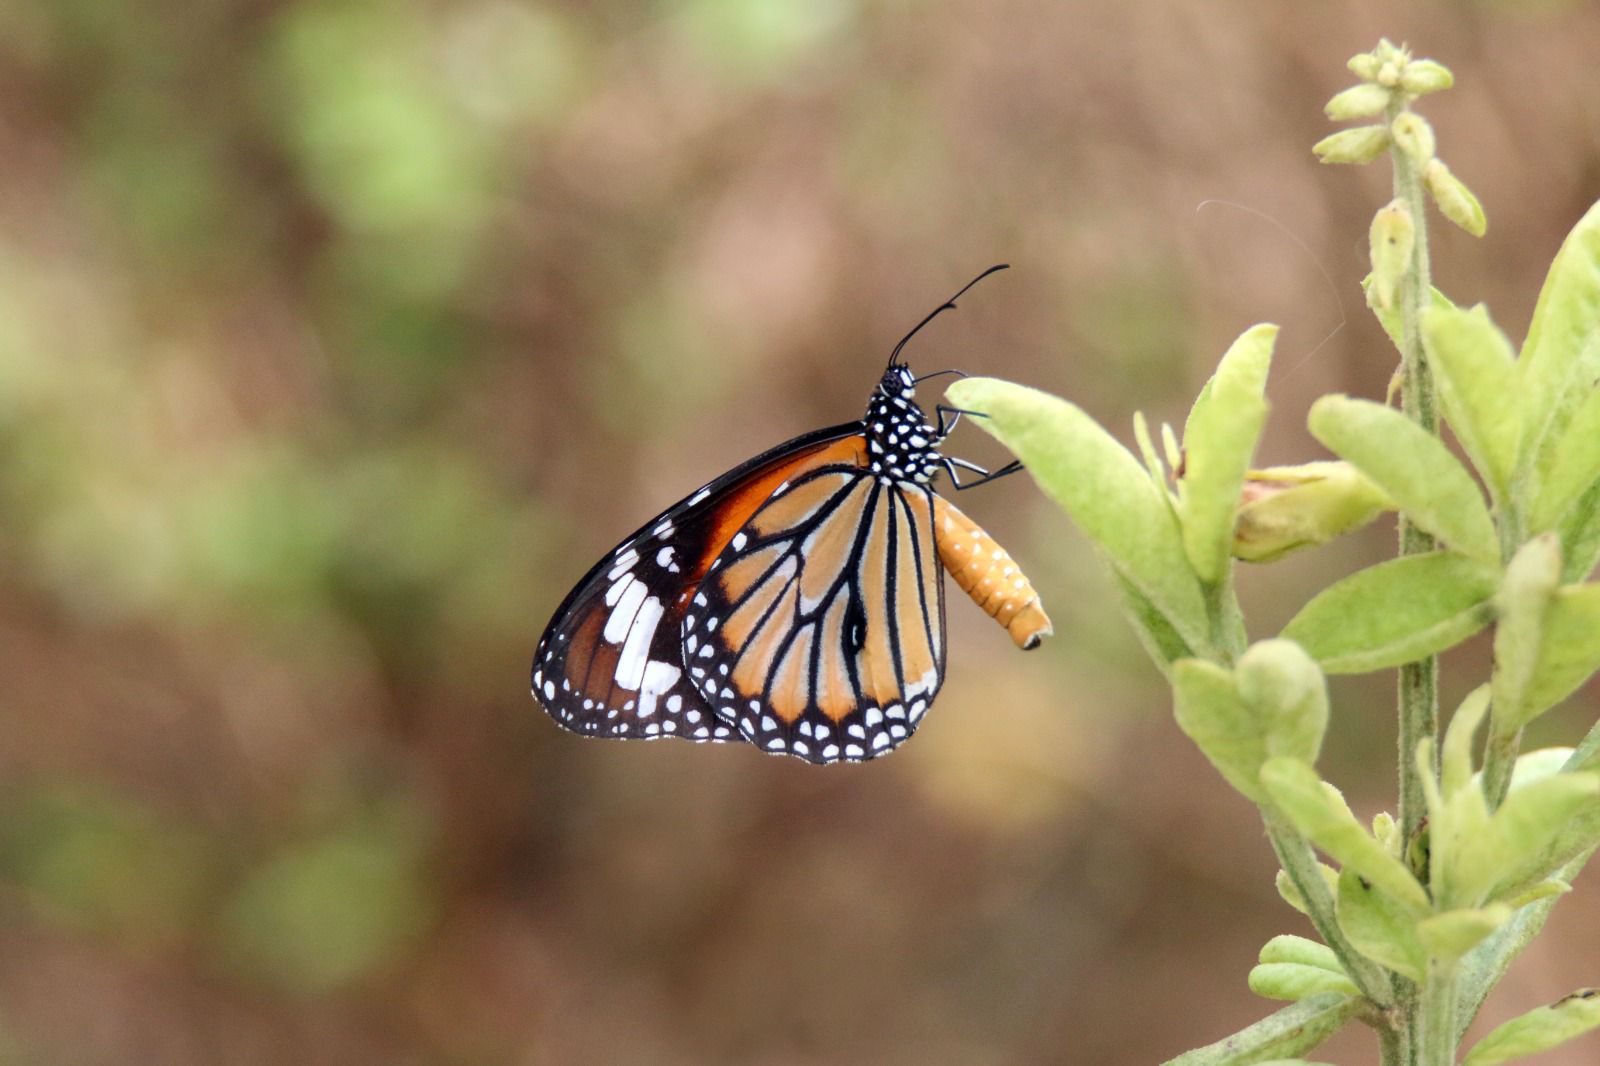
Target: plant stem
1419	681
1438	1028
1296	857
1499	760
1418	694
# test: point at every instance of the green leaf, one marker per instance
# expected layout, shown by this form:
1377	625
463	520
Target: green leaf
1380	927
1218	444
1456	753
1561	357
1570	651
1275	703
1319	812
1537	891
1524	601
1291	1031
1580	535
1476	373
1574	465
1301	951
1102	487
1164	644
1413	467
1291	894
1147	451
1210	711
1535	831
1450	935
1293	981
1283	686
1396	612
1538	1030
1389	317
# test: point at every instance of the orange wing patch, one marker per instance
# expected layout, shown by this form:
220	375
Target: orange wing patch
988	574
832	646
738	506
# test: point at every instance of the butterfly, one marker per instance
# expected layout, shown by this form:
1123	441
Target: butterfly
797	601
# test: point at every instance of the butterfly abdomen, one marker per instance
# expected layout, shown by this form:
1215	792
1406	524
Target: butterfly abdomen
987	573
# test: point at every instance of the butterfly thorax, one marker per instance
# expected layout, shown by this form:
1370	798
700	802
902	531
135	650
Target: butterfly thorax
901	445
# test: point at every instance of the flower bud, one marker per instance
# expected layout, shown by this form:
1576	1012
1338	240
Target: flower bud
1456	201
1286	689
1286	508
1362	144
1414	137
1423	76
1392	238
1365	66
1358	101
1386	831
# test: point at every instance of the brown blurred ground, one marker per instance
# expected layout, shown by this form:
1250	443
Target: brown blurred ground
337	339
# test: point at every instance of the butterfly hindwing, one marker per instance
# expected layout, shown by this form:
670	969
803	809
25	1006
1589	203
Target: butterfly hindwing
611	663
819	630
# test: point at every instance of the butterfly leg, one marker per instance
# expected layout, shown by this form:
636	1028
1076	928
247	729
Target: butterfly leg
953	414
984	476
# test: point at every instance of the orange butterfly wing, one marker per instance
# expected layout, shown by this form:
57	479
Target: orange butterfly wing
819	630
610	662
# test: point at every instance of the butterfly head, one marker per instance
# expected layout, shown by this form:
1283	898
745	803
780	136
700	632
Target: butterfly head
901	445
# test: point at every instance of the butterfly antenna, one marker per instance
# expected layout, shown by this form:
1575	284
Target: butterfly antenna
938	374
948	305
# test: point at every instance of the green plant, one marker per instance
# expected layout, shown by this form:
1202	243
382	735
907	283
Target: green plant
1420	914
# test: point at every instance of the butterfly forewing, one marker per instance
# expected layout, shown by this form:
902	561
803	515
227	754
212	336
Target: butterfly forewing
819	630
611	661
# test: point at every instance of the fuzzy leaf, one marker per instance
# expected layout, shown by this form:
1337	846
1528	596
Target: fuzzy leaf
1413	467
1580	535
1538	1030
1218	444
1210	711
1450	935
1381	928
1574	464
1321	815
1396	612
1561	357
1569	652
1536	830
1291	1031
1283	686
1102	487
1389	317
1291	894
1524	602
1164	644
1301	951
1476	372
1293	981
1455	757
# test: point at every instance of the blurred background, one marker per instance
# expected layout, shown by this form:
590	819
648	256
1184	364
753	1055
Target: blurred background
337	339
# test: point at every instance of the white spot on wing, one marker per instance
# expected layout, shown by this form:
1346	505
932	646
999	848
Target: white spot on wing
658	678
621	618
635	653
